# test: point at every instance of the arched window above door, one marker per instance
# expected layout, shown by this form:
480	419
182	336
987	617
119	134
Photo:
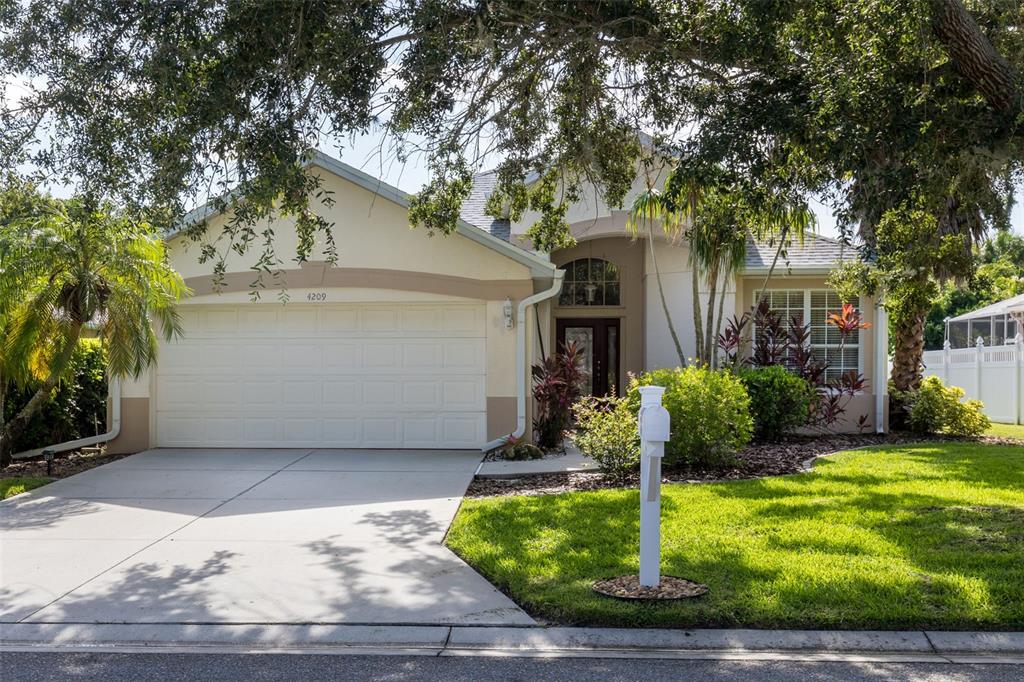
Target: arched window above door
590	282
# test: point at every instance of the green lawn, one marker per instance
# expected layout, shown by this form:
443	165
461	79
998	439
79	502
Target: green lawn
9	487
889	537
1006	431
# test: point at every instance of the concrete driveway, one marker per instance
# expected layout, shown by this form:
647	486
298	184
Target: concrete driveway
247	536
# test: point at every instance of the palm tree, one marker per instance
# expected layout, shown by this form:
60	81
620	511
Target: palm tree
70	263
717	214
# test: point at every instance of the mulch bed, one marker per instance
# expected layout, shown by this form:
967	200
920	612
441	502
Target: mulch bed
755	461
64	465
669	587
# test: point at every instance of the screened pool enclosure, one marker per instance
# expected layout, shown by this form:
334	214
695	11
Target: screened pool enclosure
996	324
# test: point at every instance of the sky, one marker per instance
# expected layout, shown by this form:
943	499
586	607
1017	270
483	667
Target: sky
365	154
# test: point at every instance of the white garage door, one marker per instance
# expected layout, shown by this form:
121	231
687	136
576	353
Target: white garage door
373	376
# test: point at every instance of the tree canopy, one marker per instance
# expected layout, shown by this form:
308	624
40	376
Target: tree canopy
162	104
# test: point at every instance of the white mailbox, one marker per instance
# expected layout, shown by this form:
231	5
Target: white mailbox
654	433
654	422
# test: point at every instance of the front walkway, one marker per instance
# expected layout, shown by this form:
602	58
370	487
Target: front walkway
247	536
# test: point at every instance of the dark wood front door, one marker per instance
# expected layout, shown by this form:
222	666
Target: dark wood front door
598	340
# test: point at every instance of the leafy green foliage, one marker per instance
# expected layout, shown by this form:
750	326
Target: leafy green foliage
709	412
999	276
898	537
557	382
9	487
861	101
716	211
780	401
935	408
606	431
913	254
79	263
75	409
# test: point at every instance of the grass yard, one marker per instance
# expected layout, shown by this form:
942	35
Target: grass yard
9	487
888	537
1006	431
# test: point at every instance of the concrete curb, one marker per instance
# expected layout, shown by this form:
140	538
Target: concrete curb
443	640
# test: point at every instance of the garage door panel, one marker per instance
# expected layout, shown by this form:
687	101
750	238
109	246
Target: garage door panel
221	394
464	356
220	320
341	393
466	321
343	356
325	376
301	394
259	356
380	431
258	430
421	320
380	320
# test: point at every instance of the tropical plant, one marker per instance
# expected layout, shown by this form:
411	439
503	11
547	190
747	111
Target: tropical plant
709	412
788	344
77	407
716	212
557	383
914	251
74	263
606	431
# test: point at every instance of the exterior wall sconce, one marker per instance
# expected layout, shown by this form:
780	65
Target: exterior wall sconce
506	312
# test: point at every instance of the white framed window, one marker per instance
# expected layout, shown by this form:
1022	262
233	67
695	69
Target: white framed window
812	307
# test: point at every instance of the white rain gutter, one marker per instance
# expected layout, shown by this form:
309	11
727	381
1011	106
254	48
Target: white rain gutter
881	365
114	394
556	286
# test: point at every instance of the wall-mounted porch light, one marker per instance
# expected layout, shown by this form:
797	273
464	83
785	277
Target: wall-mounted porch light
506	312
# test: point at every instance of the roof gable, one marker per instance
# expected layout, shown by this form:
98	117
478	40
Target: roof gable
539	267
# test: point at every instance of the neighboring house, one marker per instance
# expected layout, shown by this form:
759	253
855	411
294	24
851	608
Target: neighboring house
420	342
995	324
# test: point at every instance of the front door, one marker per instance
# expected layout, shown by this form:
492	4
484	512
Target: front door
598	341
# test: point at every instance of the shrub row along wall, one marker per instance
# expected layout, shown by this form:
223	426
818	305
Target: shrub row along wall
77	409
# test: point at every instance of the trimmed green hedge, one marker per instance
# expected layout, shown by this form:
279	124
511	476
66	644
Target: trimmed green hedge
75	410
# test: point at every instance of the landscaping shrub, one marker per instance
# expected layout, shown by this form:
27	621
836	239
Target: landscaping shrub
606	430
74	409
518	450
935	408
556	386
710	413
788	344
780	401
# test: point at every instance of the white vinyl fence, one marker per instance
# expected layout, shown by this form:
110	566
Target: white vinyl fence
994	375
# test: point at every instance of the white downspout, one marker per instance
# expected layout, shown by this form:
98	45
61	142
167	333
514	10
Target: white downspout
114	393
556	286
881	365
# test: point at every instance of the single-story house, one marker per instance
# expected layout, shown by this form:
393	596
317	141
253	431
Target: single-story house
415	341
995	324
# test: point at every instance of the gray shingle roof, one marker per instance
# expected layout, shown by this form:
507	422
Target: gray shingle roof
473	208
815	253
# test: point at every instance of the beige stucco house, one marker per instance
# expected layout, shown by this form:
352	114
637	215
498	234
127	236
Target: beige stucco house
415	341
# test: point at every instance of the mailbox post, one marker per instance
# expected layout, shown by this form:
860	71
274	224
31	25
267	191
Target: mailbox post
654	432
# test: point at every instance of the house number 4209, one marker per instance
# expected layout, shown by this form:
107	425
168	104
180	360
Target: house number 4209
316	296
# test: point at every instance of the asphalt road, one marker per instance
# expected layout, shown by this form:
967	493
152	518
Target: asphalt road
38	667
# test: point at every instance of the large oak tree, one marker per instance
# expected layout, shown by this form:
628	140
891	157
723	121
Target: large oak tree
883	105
